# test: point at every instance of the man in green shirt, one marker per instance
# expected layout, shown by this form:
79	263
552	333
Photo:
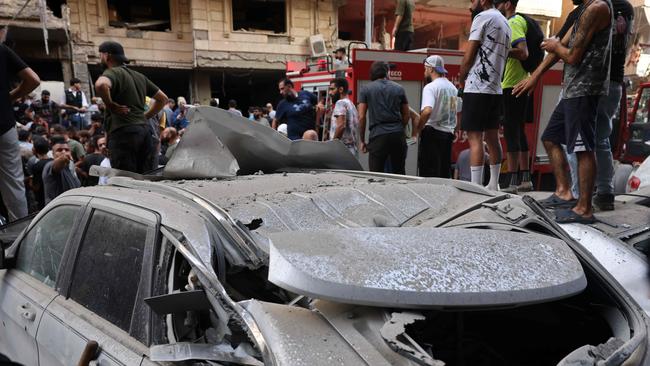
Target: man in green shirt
403	29
130	139
514	119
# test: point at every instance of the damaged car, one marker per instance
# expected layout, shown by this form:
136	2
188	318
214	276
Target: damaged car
303	267
314	268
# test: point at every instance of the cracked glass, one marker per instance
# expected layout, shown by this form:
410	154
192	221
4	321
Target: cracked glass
42	248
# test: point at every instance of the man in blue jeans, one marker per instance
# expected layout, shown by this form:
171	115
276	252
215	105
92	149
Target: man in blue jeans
607	107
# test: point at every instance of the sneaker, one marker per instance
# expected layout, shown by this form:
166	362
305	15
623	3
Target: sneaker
511	189
604	202
525	187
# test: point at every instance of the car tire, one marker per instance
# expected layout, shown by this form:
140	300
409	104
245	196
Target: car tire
621	177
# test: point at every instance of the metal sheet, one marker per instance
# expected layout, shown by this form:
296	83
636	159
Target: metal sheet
425	267
201	154
260	148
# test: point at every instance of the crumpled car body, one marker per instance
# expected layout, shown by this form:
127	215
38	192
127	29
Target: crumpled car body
348	268
304	267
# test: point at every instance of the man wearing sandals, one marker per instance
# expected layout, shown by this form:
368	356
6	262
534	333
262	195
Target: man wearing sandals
586	52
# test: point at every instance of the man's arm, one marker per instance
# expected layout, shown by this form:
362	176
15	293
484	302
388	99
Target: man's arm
103	89
362	108
340	127
595	18
28	82
60	163
424	117
399	11
468	61
159	100
519	52
529	84
406	114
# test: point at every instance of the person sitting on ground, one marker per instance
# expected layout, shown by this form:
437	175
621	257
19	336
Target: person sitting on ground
58	174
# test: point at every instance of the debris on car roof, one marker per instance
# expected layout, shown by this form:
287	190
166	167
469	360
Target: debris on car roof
218	144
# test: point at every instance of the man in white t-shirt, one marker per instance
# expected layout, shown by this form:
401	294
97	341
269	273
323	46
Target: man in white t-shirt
345	118
440	104
481	73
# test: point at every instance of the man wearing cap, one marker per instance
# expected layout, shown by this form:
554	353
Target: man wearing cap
481	72
76	103
440	104
514	111
123	90
47	108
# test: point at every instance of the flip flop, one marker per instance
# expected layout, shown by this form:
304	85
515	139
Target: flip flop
568	216
556	202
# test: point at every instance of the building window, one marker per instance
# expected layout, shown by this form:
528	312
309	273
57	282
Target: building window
152	15
55	7
259	15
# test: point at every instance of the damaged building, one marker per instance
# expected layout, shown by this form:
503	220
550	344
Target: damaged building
226	49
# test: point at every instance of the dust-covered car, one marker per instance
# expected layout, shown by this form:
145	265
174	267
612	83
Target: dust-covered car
319	268
316	267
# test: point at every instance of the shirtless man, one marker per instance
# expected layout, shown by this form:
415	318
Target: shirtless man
586	52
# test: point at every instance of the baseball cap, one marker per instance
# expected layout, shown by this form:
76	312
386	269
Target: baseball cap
114	49
437	63
341	49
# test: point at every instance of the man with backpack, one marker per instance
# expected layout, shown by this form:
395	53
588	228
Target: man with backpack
515	109
130	138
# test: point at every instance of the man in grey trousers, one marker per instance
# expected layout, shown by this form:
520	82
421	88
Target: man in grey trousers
12	185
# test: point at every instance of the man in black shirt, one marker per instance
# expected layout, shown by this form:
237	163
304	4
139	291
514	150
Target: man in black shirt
12	186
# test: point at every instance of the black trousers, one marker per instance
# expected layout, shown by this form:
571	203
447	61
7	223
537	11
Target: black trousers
388	146
434	153
132	148
403	41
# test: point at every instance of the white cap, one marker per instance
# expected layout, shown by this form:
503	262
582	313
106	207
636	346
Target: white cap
283	129
437	63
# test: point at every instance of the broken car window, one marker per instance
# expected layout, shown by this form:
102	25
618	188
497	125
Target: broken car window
108	267
42	248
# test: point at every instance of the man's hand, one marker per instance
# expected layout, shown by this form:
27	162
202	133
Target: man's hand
551	44
118	108
363	147
525	87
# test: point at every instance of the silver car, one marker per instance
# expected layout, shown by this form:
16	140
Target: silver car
307	268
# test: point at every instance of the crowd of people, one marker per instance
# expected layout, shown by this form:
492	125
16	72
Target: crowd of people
49	147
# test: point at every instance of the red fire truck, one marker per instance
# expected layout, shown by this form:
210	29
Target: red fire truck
407	69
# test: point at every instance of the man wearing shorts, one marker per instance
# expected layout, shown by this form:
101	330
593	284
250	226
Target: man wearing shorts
586	52
481	73
514	111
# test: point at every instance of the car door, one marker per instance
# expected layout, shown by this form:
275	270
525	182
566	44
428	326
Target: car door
106	279
27	289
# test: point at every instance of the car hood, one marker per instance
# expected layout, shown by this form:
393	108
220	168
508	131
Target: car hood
425	267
